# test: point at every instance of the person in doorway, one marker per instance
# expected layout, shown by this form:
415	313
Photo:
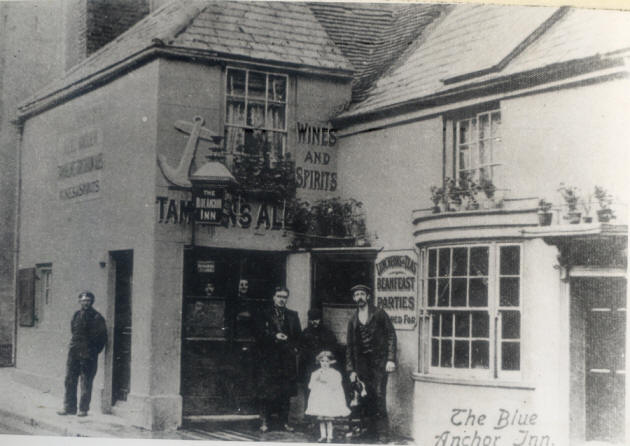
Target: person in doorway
278	334
370	356
89	336
313	340
327	400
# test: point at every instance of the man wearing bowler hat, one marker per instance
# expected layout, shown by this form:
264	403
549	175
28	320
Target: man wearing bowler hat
89	336
370	356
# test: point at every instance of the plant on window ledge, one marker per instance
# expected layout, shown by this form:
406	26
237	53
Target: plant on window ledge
570	196
330	222
604	199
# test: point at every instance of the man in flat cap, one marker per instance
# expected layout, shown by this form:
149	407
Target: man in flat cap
370	356
89	336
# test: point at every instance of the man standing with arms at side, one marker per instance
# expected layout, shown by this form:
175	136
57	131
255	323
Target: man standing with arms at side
89	336
278	334
370	356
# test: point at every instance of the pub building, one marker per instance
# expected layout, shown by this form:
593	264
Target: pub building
169	174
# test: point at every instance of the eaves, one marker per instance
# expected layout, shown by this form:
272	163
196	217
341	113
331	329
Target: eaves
555	76
105	75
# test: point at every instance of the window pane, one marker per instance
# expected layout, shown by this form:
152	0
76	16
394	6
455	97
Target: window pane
478	292
275	117
256	85
236	82
484	126
480	355
444	261
510	260
464	157
234	139
464	129
510	356
435	352
479	261
276	144
462	325
458	298
496	124
480	324
485	153
256	115
431	291
509	291
435	330
432	262
460	264
447	324
447	352
511	323
462	354
443	290
277	88
235	113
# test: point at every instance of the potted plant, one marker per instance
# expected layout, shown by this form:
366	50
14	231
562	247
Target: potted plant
452	195
569	193
604	199
544	212
586	206
489	189
469	191
437	197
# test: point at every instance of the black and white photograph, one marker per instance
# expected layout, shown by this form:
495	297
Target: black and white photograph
354	222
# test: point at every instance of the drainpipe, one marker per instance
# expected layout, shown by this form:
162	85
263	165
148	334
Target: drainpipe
16	230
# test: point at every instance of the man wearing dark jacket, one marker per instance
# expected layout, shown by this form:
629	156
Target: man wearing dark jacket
370	356
89	336
278	334
314	339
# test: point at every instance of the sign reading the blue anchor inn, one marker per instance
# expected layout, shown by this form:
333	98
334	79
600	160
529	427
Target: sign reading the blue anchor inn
208	204
396	287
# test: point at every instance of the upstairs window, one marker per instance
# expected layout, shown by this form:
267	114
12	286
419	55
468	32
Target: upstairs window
473	299
478	146
256	113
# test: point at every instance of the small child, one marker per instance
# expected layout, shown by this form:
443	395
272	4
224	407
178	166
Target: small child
327	400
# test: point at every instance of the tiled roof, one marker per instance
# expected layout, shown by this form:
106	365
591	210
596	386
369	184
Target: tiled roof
476	43
373	35
273	32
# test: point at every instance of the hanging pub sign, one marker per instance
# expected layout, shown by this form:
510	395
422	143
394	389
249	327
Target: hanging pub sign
208	205
396	287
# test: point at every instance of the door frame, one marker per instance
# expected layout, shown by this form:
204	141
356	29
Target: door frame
590	272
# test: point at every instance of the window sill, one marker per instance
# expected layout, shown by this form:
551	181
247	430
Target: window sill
515	385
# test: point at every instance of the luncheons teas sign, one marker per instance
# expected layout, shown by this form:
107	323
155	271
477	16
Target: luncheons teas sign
397	288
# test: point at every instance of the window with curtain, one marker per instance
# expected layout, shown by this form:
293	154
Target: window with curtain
256	113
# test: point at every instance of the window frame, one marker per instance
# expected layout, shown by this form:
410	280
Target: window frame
43	289
227	96
473	144
493	308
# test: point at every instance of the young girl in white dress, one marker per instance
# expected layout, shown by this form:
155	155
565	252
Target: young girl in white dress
327	400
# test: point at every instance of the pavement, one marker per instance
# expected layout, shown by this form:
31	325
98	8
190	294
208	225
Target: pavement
25	410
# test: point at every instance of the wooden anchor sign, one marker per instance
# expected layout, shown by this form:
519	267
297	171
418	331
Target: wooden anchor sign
180	175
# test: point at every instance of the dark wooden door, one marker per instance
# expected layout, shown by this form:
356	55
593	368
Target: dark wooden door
605	358
122	325
218	347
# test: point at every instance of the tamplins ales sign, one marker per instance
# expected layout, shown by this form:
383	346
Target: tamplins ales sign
396	287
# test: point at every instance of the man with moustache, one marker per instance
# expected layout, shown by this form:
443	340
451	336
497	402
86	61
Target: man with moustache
278	334
370	356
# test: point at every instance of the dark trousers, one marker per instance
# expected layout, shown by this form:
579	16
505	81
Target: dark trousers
84	368
374	406
278	405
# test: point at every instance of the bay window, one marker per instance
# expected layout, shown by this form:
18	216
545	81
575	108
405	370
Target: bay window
474	308
256	113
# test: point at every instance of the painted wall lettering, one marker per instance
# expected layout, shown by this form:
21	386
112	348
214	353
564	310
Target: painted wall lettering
316	135
316	179
80	166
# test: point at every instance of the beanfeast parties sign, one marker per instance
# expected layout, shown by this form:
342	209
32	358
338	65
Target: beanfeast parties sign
396	287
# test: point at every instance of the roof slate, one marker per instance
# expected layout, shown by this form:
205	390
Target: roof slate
468	39
275	32
373	35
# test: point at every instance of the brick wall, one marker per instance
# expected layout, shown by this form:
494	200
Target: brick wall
107	19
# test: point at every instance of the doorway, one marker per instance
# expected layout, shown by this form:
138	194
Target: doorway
224	290
121	373
604	305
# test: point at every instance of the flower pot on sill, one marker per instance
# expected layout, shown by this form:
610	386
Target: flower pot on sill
544	218
436	209
574	217
604	215
587	219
